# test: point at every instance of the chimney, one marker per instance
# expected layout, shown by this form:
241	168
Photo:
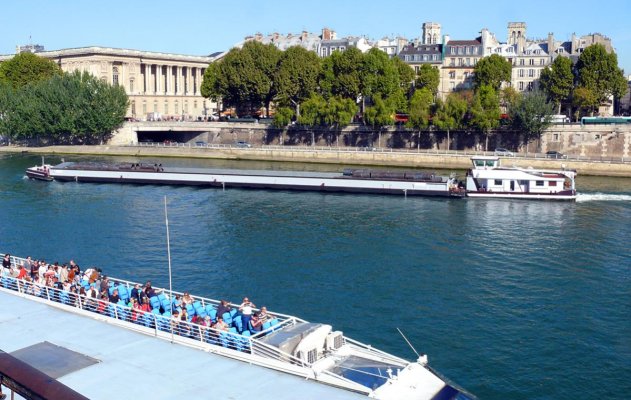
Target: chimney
326	34
551	44
445	39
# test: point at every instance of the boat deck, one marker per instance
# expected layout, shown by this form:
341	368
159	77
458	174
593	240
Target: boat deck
135	365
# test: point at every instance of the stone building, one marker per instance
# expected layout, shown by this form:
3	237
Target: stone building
167	86
459	60
427	50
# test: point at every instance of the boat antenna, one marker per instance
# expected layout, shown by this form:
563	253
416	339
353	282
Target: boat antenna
409	344
166	222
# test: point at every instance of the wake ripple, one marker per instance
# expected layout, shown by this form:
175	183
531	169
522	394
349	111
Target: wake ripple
602	197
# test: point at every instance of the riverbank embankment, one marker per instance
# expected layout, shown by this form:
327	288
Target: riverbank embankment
332	155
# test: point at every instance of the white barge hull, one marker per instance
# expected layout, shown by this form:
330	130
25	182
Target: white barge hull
322	182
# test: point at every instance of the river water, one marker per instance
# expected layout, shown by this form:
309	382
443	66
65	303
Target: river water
510	299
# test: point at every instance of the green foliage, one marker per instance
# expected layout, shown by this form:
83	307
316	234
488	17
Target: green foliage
485	111
342	74
379	75
557	80
509	97
335	111
398	102
492	71
450	114
421	108
428	77
68	108
532	115
296	77
380	114
25	68
244	78
598	72
311	112
283	117
406	73
584	99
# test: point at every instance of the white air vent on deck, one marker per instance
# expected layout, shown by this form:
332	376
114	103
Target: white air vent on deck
334	340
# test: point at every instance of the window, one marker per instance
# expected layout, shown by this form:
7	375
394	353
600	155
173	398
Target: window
133	107
155	106
460	50
530	86
424	57
144	107
497	182
552	183
452	50
521	85
521	73
538	183
417	69
131	86
466	50
460	62
542	62
531	61
468	61
324	52
522	62
531	73
115	76
452	62
452	86
166	107
452	74
342	48
555	137
475	50
434	57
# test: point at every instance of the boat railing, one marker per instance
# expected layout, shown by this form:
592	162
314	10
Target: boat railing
229	343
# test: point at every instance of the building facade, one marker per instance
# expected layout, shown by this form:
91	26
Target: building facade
159	85
459	60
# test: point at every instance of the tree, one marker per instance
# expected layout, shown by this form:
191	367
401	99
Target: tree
379	75
244	77
406	73
532	115
420	108
584	100
598	72
492	71
557	81
341	74
428	77
379	115
25	68
450	114
296	78
485	111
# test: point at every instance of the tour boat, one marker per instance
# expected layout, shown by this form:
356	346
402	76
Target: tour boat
488	179
288	358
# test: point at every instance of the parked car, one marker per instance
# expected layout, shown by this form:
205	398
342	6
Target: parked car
200	144
243	144
500	151
555	154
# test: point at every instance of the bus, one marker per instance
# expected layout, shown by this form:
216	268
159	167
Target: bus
605	120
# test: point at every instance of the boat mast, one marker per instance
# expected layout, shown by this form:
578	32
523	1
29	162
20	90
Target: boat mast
166	222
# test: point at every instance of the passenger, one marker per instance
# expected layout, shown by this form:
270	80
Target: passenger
105	284
135	293
63	273
256	323
114	298
21	272
6	261
34	269
264	316
224	307
246	309
187	299
220	325
149	291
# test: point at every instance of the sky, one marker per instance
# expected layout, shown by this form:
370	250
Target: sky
203	27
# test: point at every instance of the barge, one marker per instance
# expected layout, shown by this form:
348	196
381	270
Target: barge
407	183
155	352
